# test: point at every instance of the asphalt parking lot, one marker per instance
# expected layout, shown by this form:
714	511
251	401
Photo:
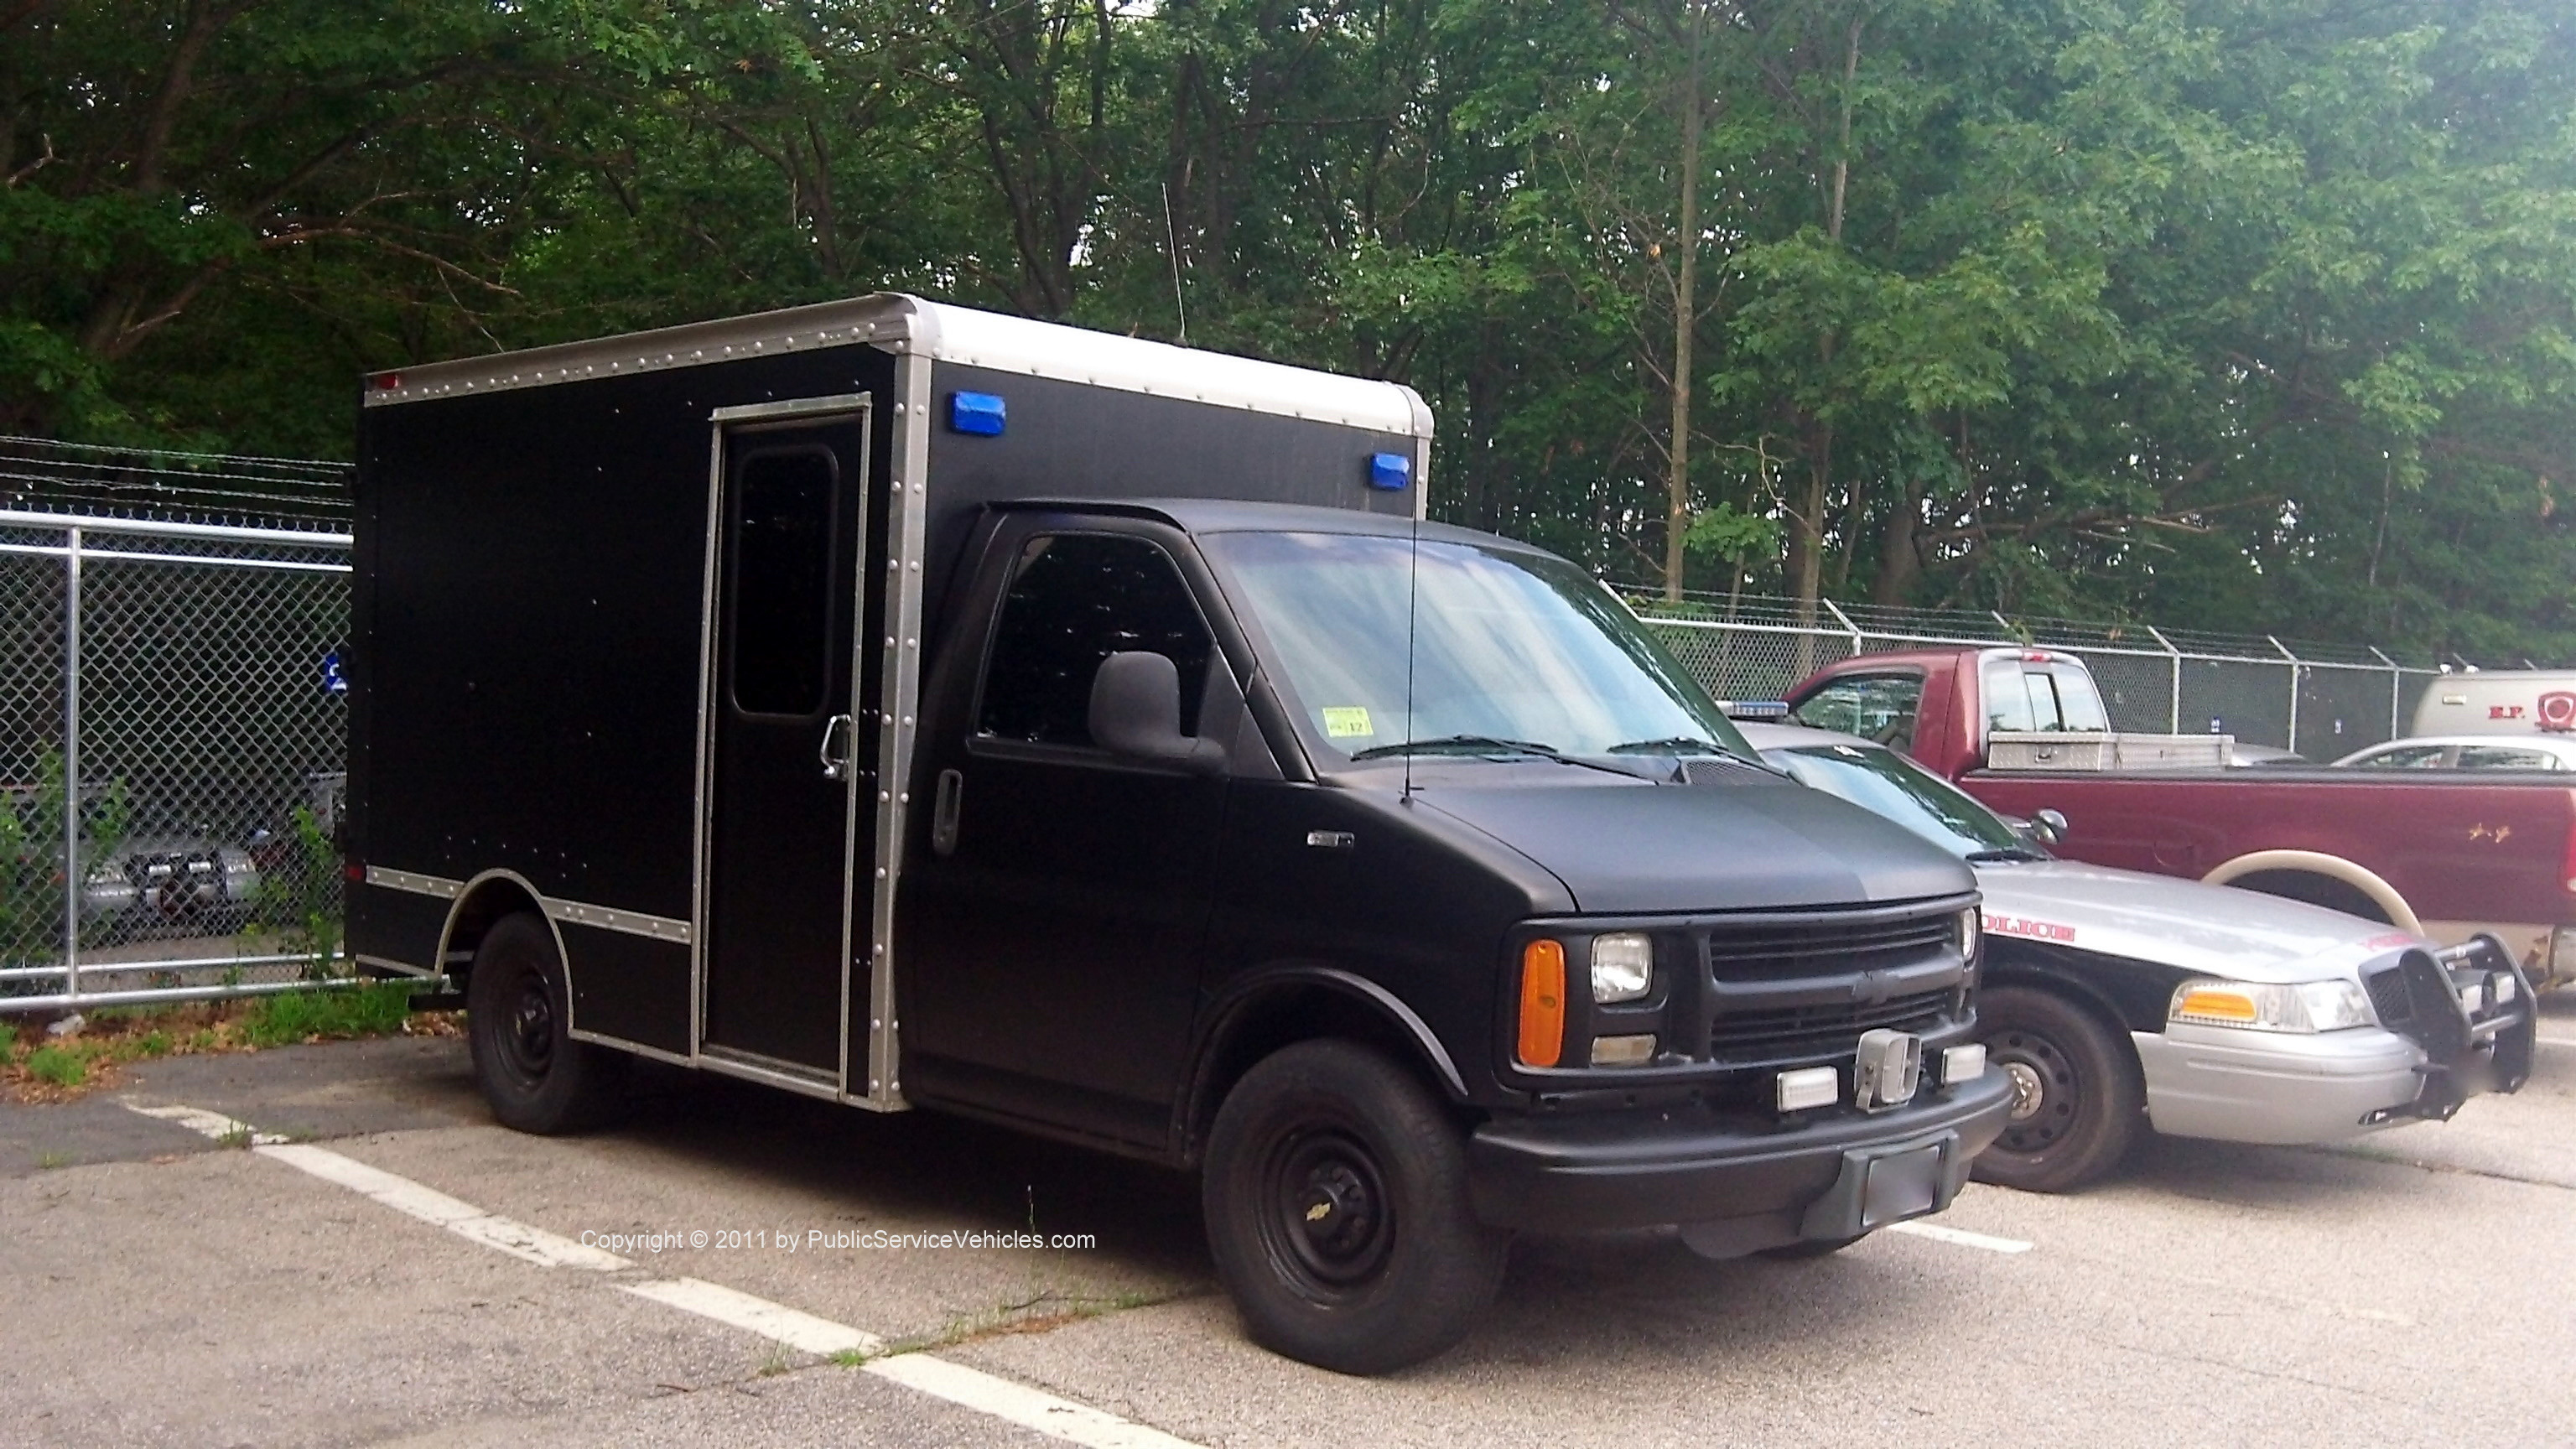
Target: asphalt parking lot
402	1271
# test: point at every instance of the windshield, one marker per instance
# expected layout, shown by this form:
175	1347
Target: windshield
1510	652
1881	783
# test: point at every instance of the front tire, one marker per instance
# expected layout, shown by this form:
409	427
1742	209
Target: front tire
518	1020
1337	1211
2078	1097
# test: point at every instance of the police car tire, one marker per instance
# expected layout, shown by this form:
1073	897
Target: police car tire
1331	1127
2093	1084
518	1025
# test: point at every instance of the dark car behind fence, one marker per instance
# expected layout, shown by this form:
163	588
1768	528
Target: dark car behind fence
172	725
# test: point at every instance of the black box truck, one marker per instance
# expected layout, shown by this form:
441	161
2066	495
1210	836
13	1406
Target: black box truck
911	706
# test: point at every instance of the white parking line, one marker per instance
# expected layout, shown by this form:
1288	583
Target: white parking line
212	1124
2558	1041
758	1315
1960	1237
965	1387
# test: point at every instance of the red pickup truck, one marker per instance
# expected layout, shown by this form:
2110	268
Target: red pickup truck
2024	730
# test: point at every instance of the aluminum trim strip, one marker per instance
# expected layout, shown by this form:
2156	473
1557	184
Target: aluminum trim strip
609	918
909	326
414	882
579	913
898	705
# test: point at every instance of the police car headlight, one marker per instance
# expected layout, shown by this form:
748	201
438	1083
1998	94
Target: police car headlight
2311	1006
1623	966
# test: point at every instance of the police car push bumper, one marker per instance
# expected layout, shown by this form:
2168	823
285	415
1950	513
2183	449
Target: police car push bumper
1736	1180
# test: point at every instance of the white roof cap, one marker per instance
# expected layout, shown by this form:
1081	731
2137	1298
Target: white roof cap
947	333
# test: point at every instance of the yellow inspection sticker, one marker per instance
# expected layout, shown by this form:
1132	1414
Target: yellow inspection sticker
1342	721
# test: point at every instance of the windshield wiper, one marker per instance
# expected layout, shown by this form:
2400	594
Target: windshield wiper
1465	744
2009	853
1488	745
1674	745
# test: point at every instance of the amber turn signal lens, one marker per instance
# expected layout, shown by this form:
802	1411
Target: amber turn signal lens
1542	1003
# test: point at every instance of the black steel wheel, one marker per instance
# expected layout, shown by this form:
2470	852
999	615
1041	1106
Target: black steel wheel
1336	1202
534	1075
2078	1098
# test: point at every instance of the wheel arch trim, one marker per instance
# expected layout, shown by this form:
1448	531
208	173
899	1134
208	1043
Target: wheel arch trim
1244	998
2333	867
479	888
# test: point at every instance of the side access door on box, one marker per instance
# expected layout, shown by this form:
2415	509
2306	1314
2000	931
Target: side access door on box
789	782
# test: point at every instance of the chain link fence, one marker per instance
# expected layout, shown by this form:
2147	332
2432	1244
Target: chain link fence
2321	701
172	729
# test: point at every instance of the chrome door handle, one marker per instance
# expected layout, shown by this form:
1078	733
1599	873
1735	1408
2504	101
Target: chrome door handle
835	762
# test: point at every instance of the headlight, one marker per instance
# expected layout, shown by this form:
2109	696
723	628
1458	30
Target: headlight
2311	1006
1623	966
1969	930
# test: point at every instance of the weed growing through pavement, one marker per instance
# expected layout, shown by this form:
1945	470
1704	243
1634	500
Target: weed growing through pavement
237	1138
48	1161
778	1360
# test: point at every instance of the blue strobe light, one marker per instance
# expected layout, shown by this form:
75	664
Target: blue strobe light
1390	471
980	413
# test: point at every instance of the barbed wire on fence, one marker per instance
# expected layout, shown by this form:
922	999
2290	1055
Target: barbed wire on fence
41	475
2321	701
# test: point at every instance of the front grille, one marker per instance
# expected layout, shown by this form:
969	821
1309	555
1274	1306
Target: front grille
2389	996
1799	1033
1787	991
1758	952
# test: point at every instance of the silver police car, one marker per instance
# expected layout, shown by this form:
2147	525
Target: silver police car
2118	1001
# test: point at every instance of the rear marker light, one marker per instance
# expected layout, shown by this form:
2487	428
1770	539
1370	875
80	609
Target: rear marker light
1963	1063
1807	1087
1542	1036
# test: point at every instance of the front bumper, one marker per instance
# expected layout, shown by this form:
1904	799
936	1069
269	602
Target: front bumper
2469	1029
2205	1081
1736	1186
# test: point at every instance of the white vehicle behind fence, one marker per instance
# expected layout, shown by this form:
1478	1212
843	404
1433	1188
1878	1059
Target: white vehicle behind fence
2117	1000
2467	752
2499	702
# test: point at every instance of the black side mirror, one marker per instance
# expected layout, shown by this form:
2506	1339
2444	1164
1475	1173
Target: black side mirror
1136	712
2049	827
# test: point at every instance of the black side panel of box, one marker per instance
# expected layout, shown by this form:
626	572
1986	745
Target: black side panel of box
1070	440
524	669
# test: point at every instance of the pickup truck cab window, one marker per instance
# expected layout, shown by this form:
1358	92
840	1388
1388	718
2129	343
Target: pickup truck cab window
1879	707
2042	694
1074	600
1501	651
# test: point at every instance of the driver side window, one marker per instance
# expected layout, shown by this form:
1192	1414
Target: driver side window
1877	707
1074	600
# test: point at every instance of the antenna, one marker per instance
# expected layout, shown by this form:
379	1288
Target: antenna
1172	248
1412	602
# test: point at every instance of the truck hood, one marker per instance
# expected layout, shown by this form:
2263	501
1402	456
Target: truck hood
1652	849
2204	929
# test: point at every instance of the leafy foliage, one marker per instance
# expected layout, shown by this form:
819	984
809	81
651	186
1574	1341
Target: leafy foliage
2220	312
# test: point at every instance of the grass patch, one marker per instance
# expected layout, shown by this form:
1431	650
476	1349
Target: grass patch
48	1161
58	1066
378	1008
57	1070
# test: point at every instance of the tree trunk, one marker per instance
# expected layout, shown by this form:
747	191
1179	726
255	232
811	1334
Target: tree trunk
1898	564
1677	516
